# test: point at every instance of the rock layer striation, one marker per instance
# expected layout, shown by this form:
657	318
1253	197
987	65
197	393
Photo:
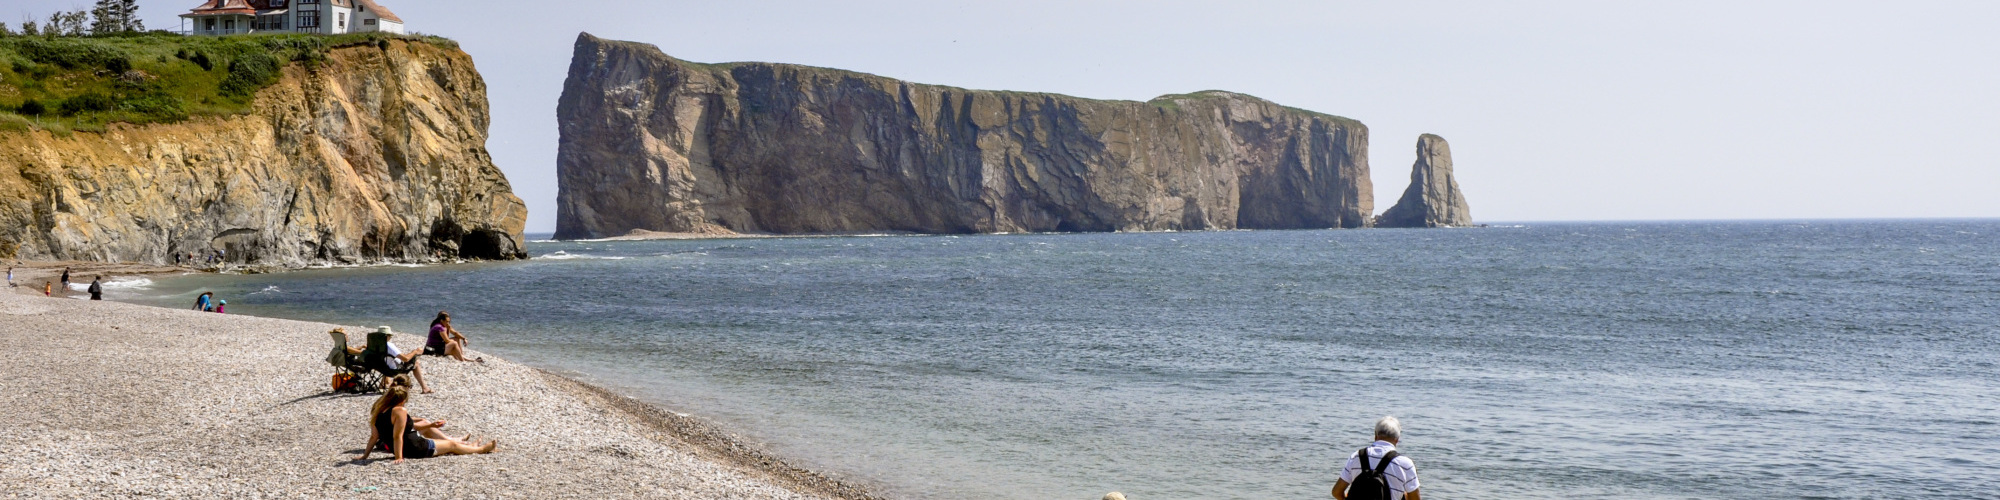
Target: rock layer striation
1433	198
654	143
377	154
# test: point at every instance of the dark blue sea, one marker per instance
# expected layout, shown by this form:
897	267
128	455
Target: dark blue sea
1817	359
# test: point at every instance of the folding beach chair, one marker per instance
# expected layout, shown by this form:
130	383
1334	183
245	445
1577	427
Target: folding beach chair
376	357
365	380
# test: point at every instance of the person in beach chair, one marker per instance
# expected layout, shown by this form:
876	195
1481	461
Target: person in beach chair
347	365
393	430
383	357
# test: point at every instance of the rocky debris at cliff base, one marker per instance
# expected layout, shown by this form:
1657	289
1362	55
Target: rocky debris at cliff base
1433	198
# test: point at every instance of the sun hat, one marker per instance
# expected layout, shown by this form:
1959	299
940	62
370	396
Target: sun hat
384	330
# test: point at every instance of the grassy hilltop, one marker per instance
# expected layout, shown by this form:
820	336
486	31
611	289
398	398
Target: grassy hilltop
82	83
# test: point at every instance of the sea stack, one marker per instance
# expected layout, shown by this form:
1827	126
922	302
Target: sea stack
653	143
1433	198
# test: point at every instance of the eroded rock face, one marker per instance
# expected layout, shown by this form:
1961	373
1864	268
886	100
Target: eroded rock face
1433	198
378	155
649	142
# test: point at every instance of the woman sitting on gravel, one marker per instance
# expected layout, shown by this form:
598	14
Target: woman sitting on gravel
392	429
445	340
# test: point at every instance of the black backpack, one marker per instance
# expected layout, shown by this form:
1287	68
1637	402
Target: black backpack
1369	483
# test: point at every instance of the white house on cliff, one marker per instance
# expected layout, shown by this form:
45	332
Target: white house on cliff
330	17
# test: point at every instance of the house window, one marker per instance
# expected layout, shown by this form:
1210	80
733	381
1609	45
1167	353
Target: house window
309	19
210	23
342	24
370	22
229	24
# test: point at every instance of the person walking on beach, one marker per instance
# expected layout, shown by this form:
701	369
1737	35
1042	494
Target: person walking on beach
10	276
1378	472
96	288
65	281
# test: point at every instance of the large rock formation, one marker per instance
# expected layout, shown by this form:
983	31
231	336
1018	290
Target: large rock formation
378	154
654	143
1433	199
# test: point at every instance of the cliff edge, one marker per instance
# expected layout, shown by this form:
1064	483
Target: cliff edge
654	143
374	154
1433	198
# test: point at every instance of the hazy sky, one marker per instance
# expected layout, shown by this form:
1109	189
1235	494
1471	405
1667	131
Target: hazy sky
1583	110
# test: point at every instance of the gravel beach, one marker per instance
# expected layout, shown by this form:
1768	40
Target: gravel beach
105	399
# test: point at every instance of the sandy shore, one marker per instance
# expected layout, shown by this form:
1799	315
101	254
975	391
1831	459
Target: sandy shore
105	399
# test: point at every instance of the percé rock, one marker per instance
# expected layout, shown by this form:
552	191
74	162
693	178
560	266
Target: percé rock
654	143
1433	198
376	155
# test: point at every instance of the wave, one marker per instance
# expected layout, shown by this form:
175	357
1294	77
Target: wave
562	255
113	284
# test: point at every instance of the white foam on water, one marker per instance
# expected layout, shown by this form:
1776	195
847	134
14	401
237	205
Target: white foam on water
562	255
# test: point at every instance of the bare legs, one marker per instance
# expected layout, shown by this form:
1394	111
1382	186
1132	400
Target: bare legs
454	350
410	359
453	447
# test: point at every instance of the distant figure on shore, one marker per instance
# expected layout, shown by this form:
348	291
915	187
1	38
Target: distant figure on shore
10	276
219	305
65	280
1378	472
392	429
47	287
96	288
446	341
202	303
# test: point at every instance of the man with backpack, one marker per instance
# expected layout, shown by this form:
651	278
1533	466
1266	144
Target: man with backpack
1378	472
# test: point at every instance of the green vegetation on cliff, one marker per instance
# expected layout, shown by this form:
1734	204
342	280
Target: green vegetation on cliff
82	83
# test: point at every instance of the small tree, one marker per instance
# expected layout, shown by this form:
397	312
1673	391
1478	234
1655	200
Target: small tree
28	28
4	31
78	23
128	10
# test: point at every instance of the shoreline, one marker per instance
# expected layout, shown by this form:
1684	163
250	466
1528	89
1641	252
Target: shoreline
109	403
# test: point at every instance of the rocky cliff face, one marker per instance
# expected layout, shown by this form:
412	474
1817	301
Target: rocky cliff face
1433	198
649	142
376	155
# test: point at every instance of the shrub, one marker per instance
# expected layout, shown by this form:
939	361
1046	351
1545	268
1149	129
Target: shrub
32	108
248	73
69	53
118	65
21	67
87	102
158	106
201	59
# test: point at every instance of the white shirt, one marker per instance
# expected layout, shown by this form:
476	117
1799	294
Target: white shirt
1401	474
395	357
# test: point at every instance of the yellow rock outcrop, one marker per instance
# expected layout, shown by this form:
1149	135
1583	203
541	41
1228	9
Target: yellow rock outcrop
376	155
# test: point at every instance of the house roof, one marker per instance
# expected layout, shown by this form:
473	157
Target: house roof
380	12
220	7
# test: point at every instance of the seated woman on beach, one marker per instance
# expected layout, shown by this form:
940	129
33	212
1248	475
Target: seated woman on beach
392	429
445	340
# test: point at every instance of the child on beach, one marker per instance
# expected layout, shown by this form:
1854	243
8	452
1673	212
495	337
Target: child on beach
392	429
48	289
219	305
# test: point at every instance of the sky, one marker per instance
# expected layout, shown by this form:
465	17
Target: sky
1555	110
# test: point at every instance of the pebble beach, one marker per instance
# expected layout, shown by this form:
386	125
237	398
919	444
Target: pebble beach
106	399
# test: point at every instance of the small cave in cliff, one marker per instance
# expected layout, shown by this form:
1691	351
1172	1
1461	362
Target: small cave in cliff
486	244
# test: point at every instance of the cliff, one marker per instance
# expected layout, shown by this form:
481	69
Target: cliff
374	153
649	142
1433	198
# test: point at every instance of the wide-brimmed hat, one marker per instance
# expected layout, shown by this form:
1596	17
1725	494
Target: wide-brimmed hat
384	330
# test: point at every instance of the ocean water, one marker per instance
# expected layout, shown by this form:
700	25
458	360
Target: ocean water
1823	359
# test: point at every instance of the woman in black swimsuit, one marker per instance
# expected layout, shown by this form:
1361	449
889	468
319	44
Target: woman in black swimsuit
391	429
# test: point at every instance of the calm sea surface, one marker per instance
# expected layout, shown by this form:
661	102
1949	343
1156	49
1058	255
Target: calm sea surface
1611	360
